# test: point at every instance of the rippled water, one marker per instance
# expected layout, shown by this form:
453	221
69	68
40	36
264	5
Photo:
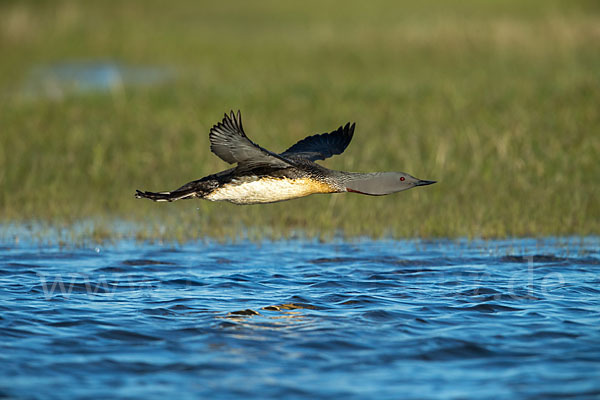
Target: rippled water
300	319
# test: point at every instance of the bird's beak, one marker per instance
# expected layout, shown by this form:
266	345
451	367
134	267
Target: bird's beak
424	183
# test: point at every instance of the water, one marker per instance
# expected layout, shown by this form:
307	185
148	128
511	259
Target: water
56	81
300	319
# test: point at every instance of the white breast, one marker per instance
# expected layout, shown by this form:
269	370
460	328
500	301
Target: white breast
253	190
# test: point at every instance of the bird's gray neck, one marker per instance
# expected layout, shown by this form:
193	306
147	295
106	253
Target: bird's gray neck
345	180
343	176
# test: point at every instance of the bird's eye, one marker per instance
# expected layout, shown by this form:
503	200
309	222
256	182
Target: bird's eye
402	178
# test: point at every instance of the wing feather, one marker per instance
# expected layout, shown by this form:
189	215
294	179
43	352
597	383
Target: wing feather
325	145
229	141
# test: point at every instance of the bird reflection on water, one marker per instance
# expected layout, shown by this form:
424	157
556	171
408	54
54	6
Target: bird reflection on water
284	315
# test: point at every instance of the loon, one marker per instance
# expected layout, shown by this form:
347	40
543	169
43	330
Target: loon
262	176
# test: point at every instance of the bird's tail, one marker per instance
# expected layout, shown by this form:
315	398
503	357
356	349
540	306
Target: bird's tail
195	189
166	196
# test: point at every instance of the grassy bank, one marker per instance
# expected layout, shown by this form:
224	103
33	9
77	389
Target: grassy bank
498	101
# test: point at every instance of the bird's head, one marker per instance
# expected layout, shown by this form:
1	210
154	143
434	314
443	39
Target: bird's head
382	183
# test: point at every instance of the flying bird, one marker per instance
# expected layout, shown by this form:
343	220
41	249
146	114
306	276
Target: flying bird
262	176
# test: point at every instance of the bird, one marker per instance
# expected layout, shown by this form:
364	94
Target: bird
262	176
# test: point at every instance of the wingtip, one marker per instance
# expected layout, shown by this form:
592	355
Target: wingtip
239	119
231	120
234	115
349	129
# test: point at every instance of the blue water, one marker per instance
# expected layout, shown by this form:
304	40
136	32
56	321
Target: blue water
80	77
301	319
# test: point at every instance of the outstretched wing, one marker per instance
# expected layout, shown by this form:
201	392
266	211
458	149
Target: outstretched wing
230	143
325	145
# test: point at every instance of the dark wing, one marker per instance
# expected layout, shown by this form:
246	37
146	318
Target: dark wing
325	145
230	143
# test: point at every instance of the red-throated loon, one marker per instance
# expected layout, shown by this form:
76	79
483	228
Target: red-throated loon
262	176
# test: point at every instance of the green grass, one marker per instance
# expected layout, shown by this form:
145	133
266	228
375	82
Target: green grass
499	101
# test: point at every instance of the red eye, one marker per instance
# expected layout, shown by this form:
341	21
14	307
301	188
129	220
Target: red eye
402	178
